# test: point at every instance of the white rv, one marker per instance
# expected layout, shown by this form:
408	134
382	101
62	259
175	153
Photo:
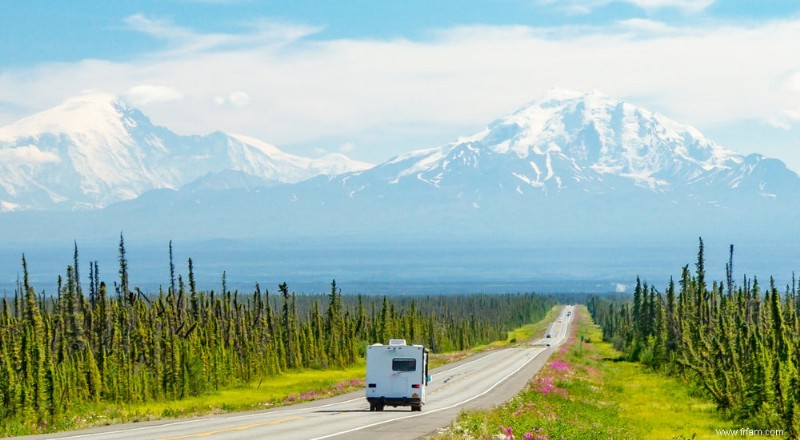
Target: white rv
397	375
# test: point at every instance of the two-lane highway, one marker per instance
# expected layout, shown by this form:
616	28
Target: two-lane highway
481	381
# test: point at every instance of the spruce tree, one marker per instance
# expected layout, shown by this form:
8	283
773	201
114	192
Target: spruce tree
287	326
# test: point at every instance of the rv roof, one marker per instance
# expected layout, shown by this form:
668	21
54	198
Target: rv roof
396	342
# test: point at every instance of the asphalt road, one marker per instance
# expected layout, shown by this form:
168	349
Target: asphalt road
481	381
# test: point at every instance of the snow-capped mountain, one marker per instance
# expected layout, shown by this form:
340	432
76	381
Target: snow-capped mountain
94	150
568	165
568	142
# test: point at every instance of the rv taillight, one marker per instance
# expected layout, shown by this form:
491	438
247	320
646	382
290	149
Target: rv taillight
416	385
372	385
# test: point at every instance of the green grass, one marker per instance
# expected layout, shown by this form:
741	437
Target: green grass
662	406
587	392
287	388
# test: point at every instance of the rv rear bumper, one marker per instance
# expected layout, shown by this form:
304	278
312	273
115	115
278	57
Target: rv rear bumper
394	401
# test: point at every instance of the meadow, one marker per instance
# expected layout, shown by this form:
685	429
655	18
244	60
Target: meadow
588	391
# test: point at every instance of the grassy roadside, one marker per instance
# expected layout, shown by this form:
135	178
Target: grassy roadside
587	392
291	387
285	389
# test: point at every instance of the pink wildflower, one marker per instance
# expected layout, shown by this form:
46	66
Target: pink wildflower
507	431
560	365
546	386
308	395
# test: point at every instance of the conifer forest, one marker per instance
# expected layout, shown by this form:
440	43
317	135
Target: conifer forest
735	340
95	341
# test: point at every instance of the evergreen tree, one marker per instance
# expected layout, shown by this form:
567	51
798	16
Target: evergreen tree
59	353
287	326
123	290
736	342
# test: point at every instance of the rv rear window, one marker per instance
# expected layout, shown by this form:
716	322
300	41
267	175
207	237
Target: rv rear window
404	364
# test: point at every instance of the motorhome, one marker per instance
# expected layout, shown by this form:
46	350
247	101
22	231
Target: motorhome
397	375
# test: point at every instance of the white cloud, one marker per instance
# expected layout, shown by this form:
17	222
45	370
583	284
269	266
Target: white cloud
347	147
26	155
586	6
403	94
684	5
239	99
236	99
786	120
146	94
8	206
182	41
789	84
620	288
781	122
646	25
162	29
792	82
577	10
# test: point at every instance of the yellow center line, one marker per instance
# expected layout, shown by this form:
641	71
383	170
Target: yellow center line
237	428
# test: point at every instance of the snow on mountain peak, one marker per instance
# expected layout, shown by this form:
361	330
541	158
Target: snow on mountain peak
95	112
93	150
338	163
259	144
568	139
604	133
276	164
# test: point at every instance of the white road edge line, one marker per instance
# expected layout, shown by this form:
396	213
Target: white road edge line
435	410
184	422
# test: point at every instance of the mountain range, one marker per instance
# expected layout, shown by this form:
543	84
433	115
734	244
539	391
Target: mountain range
569	142
567	166
95	150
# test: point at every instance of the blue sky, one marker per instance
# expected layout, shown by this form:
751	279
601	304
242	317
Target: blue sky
378	78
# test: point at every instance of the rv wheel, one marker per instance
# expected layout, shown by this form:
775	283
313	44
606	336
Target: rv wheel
416	407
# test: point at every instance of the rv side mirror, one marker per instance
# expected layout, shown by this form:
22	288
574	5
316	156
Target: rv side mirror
427	379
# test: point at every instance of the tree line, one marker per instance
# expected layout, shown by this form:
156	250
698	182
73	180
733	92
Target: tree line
94	343
738	341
